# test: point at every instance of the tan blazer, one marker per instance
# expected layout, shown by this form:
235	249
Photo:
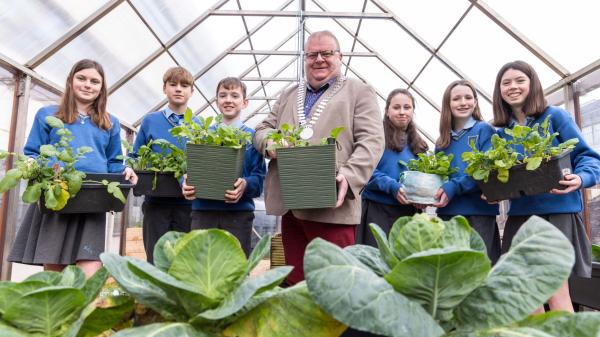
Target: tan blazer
355	108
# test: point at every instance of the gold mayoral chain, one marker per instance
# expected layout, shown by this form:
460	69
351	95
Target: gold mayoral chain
307	126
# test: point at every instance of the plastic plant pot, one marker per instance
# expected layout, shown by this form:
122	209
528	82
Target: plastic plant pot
93	197
212	170
166	185
522	182
307	176
419	187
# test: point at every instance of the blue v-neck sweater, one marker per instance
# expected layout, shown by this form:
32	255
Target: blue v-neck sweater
156	126
584	160
105	144
384	183
461	189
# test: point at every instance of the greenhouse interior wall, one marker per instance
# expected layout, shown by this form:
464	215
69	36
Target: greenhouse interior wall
262	42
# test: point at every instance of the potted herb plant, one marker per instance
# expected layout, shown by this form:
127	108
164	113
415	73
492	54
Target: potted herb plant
215	154
526	164
158	172
425	176
53	180
433	278
306	172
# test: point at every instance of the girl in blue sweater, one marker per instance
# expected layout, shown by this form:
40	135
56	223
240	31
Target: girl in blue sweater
519	99
383	199
55	240
460	124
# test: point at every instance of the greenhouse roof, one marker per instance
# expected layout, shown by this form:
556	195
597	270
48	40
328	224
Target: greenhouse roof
422	45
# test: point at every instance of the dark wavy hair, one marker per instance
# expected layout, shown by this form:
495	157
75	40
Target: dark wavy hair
394	135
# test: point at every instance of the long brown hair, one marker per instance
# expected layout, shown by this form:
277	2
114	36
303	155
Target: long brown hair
67	110
446	122
394	135
534	104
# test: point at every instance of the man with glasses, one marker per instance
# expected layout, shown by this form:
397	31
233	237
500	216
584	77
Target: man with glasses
327	99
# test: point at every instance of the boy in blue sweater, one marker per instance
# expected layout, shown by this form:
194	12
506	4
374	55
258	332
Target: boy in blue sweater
236	213
165	214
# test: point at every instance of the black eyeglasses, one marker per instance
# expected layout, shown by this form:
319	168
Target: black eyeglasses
325	54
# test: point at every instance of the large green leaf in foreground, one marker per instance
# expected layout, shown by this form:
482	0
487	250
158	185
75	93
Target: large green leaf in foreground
360	298
291	313
440	279
538	263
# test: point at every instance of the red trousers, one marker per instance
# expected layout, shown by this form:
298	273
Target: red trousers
297	233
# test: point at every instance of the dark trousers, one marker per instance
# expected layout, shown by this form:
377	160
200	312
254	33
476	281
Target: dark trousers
161	218
238	223
297	233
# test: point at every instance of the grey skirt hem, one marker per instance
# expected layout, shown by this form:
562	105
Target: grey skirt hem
571	225
381	214
52	238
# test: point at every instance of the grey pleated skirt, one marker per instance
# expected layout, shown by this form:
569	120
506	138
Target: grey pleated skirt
571	225
53	238
381	214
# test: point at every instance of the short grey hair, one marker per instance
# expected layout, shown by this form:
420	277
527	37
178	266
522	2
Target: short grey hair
323	33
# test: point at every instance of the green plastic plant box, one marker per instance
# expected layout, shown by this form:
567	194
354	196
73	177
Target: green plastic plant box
307	176
93	196
523	182
213	169
166	185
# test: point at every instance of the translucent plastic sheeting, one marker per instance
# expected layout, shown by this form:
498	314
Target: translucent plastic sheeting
434	80
51	19
207	41
119	41
7	87
231	65
567	31
268	5
396	46
131	101
479	48
431	20
277	29
167	18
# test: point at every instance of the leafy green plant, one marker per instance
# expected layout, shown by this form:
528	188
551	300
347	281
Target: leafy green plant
433	278
528	145
200	287
51	304
596	253
432	163
289	136
52	173
206	133
170	159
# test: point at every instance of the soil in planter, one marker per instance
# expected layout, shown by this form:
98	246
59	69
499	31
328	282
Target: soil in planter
93	197
522	182
307	176
166	185
213	169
